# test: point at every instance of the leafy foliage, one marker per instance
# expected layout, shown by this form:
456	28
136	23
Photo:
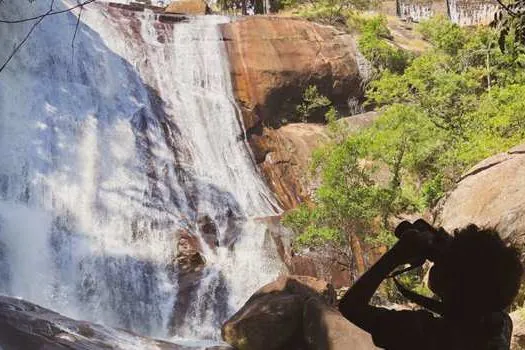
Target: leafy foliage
510	22
334	12
380	52
441	112
313	103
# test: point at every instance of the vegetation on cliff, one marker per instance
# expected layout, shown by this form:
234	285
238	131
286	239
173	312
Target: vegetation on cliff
441	112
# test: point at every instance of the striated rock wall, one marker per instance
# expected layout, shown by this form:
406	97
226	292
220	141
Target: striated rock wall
471	12
462	12
417	10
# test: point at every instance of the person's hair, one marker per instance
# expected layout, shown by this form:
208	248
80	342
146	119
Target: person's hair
487	272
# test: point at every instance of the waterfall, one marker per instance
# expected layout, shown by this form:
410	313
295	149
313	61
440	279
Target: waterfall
110	149
471	12
415	10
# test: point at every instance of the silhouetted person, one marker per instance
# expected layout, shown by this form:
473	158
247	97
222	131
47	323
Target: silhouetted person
475	276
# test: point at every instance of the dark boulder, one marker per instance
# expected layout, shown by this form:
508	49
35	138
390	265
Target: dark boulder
293	312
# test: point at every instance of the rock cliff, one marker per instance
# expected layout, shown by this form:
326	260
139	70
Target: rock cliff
274	59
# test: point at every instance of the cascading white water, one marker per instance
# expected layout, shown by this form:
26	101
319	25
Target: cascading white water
471	12
104	155
414	10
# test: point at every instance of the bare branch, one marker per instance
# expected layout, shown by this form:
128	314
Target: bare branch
46	14
19	46
506	8
75	33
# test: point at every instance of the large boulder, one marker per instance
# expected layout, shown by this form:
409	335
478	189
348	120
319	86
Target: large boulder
269	322
491	194
326	329
274	59
303	286
293	312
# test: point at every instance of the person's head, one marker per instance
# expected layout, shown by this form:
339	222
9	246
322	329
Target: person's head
478	274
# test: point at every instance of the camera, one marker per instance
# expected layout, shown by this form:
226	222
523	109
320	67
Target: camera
439	238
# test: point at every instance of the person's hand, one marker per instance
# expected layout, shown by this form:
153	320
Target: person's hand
415	242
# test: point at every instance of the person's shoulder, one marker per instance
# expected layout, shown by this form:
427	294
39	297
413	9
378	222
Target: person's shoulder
497	328
497	321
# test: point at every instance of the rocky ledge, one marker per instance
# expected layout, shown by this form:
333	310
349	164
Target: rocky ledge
26	326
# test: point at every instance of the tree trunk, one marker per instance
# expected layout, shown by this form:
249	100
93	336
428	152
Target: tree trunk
357	253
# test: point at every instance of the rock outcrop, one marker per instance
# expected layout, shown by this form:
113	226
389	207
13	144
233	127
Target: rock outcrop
284	155
24	325
274	59
491	194
294	312
188	7
187	269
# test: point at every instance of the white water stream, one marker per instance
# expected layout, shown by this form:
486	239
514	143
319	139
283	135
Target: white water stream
104	155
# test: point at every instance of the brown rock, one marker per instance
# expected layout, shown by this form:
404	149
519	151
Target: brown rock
269	322
284	156
491	194
294	312
274	59
326	329
189	7
273	316
189	257
304	286
209	230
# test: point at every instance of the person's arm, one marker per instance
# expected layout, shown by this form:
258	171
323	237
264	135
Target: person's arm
355	304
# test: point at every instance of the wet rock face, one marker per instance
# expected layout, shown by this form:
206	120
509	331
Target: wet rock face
5	274
189	258
187	269
274	59
209	231
24	325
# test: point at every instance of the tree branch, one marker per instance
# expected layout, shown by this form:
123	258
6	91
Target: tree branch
506	8
75	33
19	46
46	14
